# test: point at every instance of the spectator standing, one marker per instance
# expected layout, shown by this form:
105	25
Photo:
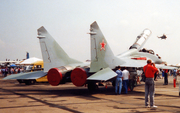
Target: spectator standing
149	71
5	71
175	73
118	80
19	70
125	75
165	76
12	70
2	71
139	73
162	73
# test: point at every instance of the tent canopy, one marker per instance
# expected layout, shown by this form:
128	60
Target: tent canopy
12	65
31	60
178	64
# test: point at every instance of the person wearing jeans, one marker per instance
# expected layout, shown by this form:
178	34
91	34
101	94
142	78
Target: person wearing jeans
126	75
149	71
118	80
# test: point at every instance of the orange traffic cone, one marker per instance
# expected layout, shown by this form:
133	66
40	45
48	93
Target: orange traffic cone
129	89
174	82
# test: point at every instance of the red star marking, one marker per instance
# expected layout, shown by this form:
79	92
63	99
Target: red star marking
102	45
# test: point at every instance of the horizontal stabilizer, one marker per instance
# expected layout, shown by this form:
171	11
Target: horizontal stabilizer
29	75
104	75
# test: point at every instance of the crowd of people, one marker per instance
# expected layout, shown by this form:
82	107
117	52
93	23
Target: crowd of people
4	70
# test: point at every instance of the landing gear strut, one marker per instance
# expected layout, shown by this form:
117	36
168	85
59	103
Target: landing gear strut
92	86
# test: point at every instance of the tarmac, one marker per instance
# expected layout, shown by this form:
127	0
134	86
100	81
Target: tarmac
66	98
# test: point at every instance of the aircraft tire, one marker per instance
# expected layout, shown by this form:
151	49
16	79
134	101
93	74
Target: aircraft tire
29	82
131	85
20	81
113	83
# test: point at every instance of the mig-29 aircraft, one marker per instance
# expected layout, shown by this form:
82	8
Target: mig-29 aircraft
103	61
57	64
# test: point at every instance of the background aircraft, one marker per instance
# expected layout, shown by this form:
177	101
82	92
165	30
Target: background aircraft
8	61
163	37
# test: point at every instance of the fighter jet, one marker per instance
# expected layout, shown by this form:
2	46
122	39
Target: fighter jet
57	64
103	61
163	37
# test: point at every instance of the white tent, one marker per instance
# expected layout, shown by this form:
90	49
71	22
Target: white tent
178	64
30	61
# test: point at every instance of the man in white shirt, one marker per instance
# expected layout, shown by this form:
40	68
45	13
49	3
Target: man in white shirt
125	74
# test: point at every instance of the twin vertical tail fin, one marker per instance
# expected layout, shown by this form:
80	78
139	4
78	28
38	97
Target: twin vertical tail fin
53	55
101	54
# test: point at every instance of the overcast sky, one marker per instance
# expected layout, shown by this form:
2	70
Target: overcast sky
68	21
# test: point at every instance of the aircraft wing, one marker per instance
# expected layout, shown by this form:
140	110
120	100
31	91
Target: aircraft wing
141	63
107	73
165	67
104	75
29	75
129	62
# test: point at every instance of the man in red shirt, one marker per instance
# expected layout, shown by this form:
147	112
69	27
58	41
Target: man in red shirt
149	71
